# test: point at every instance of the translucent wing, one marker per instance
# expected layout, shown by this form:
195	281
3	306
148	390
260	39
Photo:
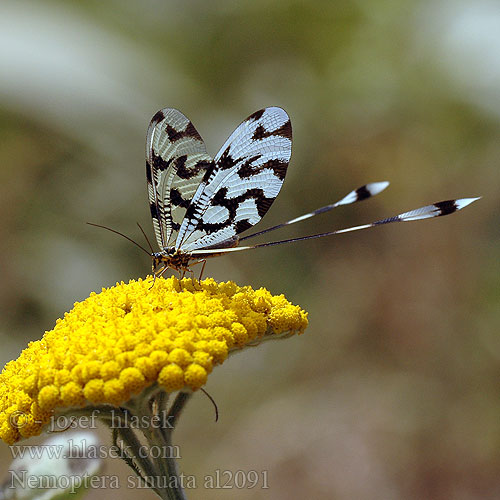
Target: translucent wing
247	176
176	161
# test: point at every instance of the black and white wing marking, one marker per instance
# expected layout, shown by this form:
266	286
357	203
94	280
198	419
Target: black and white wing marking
360	194
248	173
176	162
438	209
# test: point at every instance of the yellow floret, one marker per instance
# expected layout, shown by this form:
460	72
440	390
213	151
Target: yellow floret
123	340
172	378
94	390
114	392
72	394
203	359
180	357
48	397
239	334
110	369
195	376
132	379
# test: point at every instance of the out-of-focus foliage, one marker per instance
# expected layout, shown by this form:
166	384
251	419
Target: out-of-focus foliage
393	392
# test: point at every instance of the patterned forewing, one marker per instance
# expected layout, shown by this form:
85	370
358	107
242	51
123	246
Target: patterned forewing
176	162
248	174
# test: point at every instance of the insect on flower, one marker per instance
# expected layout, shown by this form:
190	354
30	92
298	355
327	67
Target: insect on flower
200	205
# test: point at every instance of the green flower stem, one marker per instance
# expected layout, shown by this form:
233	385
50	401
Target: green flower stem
178	405
172	470
145	469
161	474
151	403
141	465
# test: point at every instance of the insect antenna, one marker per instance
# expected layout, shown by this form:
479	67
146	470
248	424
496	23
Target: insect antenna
145	236
120	234
362	193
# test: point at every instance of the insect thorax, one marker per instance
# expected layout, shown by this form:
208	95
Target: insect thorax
171	257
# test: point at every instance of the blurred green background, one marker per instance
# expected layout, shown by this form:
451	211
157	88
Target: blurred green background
393	392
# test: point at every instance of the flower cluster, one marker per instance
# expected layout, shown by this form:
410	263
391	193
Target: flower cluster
118	342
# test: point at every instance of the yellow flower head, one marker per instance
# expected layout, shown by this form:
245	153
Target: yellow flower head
128	337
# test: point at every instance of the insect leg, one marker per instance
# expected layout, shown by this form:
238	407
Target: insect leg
158	275
202	268
204	261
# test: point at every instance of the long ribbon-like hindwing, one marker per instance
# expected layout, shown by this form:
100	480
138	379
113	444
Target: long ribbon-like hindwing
435	210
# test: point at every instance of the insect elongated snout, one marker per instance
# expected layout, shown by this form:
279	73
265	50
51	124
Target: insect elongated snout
156	259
